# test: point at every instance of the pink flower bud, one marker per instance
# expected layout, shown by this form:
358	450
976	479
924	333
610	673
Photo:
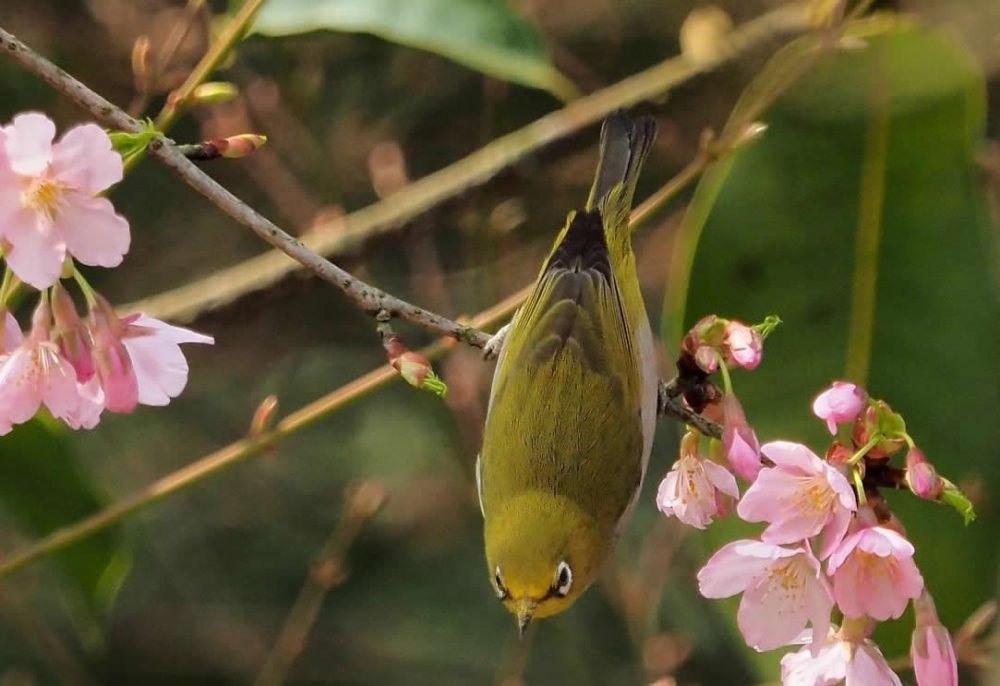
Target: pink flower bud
414	367
739	441
71	335
931	649
706	358
743	345
921	477
111	359
839	404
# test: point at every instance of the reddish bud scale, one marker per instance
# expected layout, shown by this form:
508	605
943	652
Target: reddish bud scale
921	477
414	367
233	147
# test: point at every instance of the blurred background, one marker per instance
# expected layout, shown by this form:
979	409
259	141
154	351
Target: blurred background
200	588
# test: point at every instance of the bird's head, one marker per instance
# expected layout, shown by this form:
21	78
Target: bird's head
543	552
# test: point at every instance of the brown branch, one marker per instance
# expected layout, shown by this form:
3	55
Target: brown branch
187	301
368	298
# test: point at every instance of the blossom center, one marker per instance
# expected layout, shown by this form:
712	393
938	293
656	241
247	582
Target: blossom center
813	495
784	582
44	195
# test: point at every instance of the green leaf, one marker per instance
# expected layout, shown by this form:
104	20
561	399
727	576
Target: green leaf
128	144
43	490
486	35
860	217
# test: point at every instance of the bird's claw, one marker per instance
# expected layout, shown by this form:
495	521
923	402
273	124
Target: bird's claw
494	346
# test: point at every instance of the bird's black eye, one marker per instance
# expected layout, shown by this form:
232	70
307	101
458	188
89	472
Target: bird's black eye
500	589
564	580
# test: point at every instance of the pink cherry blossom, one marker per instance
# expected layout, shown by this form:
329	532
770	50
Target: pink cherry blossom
10	334
744	346
739	441
874	574
138	358
48	199
800	497
88	412
111	360
839	404
695	490
856	662
35	373
783	590
931	651
160	367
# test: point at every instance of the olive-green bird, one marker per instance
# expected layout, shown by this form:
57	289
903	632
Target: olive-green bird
573	405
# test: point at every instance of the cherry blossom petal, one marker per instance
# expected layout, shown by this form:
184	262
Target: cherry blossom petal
37	251
826	668
869	668
794	457
29	143
93	232
160	367
84	159
729	571
87	414
12	335
874	574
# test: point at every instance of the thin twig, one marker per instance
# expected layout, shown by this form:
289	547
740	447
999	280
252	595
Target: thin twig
368	298
186	302
327	571
365	296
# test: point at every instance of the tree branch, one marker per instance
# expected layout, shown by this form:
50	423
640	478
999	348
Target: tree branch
187	301
365	296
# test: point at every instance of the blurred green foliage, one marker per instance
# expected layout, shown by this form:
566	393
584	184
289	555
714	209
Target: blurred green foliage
782	235
216	568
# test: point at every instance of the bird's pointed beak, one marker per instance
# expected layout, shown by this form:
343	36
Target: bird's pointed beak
524	609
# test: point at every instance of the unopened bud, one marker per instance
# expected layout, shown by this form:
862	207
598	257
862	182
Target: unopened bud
743	345
701	342
838	454
214	92
71	334
739	440
704	35
932	651
707	359
367	498
263	416
414	367
750	134
140	63
879	419
232	147
921	477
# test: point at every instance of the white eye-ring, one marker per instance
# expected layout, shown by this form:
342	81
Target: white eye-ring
500	589
564	580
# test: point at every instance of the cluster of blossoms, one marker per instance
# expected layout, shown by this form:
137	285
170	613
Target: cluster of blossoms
51	216
830	541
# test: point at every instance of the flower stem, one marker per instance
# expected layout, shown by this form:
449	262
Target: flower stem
727	384
872	442
85	287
